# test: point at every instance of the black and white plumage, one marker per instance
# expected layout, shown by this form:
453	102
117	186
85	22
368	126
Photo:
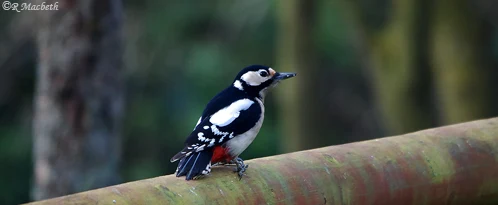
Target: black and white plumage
229	123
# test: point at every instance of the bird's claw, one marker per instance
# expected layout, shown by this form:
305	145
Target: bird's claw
241	167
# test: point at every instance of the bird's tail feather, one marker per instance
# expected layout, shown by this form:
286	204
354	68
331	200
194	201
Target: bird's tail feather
193	165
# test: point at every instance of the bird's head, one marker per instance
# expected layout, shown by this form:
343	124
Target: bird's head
257	79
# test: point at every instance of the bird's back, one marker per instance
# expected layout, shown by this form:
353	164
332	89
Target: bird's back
247	119
222	100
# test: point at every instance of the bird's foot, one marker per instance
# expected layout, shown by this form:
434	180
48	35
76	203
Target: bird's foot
241	167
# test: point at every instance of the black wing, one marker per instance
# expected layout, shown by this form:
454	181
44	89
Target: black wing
207	135
222	100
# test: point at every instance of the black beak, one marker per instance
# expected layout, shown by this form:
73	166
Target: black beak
283	76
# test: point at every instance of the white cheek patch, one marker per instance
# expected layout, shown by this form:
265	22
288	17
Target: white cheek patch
228	114
253	78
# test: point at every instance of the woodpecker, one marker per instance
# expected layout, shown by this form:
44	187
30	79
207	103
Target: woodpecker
228	124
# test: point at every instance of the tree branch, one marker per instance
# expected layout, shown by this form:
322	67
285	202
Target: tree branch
453	164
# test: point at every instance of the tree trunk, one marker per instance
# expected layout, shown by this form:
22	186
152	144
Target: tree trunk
300	114
395	52
79	97
462	67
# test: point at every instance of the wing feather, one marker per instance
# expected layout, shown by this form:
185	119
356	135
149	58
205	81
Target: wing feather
228	114
247	114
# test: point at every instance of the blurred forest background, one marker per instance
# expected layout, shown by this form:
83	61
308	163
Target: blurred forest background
103	91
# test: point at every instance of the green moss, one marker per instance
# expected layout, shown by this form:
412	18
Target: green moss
437	160
170	196
347	189
333	160
487	136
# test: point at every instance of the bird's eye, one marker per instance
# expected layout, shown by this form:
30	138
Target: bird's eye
263	73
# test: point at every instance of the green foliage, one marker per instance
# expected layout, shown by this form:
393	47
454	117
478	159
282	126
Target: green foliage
16	162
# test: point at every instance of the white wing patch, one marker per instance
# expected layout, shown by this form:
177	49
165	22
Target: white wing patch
197	148
211	143
207	170
237	84
201	137
230	137
198	122
216	131
228	114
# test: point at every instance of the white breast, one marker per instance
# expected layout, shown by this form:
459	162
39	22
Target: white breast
240	142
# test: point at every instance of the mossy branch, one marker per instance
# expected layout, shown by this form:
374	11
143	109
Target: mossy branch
447	165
